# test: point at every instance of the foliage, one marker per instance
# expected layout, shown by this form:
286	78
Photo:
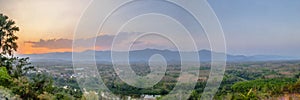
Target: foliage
41	83
297	76
5	79
64	96
195	96
7	37
294	88
92	95
16	66
46	96
249	96
266	87
6	94
17	75
21	86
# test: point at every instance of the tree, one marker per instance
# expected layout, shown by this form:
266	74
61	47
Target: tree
7	35
32	88
250	95
14	71
4	77
15	66
65	96
21	67
194	95
22	87
41	83
297	75
6	94
46	96
92	95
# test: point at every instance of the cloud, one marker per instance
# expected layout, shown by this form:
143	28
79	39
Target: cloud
104	42
52	43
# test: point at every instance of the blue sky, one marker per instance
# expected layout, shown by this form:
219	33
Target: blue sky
260	26
251	27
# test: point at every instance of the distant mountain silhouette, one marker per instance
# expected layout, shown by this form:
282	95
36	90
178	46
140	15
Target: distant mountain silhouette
144	55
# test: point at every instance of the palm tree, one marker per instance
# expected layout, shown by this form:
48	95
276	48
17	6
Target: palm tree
7	37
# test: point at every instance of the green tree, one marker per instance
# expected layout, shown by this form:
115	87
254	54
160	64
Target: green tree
92	95
22	87
5	79
41	83
64	96
6	94
7	35
14	70
21	67
250	95
194	95
29	89
15	66
297	76
46	96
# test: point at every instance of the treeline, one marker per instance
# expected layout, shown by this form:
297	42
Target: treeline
257	89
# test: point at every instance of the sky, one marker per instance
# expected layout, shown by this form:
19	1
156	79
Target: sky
251	27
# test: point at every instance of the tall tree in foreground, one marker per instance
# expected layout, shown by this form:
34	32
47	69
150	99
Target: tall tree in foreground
15	66
15	78
7	37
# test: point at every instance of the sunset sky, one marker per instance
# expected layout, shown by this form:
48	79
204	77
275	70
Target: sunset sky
252	27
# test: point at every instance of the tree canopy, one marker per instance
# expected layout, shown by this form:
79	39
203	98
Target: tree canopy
7	35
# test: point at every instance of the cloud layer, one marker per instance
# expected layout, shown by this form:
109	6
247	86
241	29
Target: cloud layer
104	42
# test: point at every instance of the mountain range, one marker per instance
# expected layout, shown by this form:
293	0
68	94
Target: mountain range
144	55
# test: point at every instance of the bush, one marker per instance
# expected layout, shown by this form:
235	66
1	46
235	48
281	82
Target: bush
46	96
6	94
5	79
90	96
64	96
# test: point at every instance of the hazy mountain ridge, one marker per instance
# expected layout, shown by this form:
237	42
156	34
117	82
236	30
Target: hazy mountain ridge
144	55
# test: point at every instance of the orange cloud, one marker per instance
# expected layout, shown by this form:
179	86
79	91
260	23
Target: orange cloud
27	48
103	42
